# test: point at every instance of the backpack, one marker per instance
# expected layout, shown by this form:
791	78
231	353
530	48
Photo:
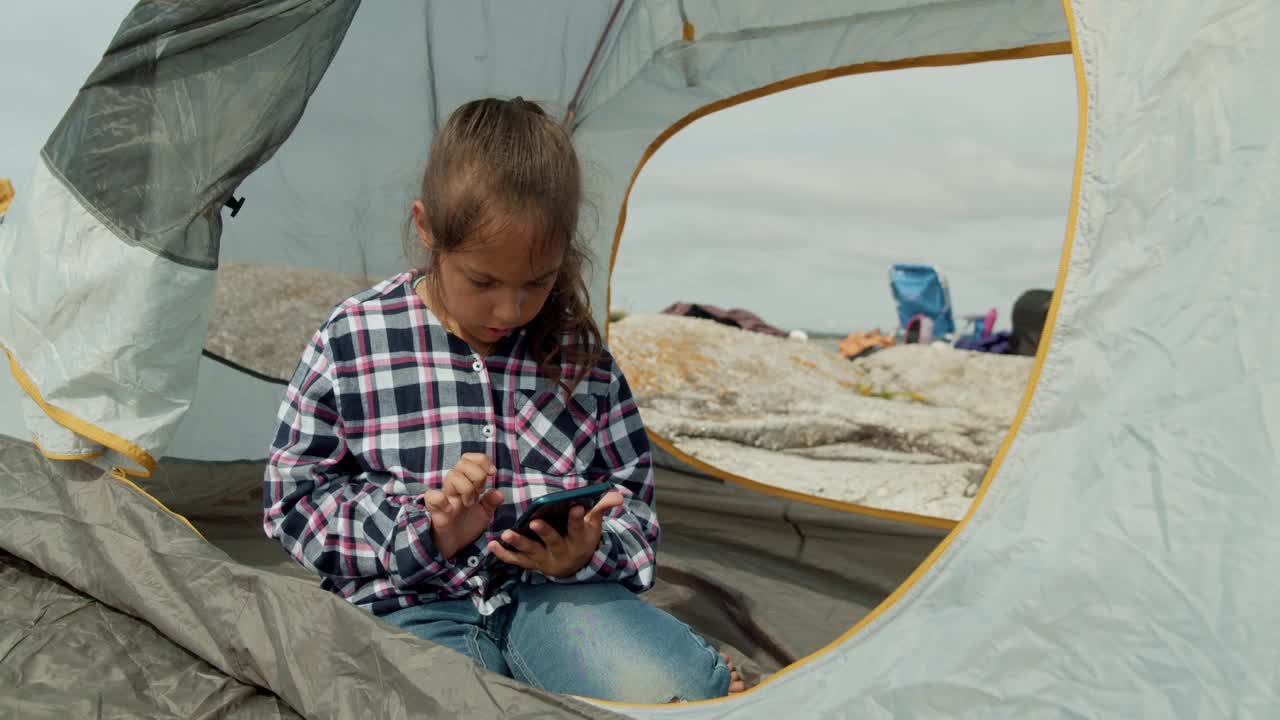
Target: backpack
1028	317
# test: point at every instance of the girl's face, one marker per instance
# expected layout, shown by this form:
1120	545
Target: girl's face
493	286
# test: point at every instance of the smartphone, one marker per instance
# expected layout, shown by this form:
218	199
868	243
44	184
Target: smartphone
554	509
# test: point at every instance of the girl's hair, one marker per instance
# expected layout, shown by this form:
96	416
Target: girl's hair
499	159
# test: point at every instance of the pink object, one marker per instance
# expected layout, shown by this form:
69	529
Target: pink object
989	324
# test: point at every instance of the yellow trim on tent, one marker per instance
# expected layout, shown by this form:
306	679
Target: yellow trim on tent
81	427
98	435
895	515
945	60
1050	320
6	195
122	476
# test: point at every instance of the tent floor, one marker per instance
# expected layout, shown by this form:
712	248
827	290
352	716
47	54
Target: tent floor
767	580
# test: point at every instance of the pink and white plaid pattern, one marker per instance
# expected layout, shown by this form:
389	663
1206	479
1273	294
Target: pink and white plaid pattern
382	405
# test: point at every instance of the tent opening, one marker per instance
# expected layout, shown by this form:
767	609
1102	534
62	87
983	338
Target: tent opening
785	260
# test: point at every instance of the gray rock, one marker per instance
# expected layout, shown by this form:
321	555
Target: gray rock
263	315
935	489
909	428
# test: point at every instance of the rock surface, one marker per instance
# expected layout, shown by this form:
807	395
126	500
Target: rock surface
909	428
264	315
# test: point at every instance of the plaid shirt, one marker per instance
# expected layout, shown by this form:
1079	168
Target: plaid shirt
382	405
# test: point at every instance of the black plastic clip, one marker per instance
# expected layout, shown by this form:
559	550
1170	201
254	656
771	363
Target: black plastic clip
235	204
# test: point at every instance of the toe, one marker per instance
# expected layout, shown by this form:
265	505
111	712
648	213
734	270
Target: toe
736	685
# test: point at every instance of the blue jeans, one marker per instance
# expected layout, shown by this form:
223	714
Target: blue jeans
595	640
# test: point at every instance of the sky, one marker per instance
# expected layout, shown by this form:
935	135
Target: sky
796	205
793	206
43	61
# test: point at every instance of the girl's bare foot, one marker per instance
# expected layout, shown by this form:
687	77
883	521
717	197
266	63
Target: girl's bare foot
736	685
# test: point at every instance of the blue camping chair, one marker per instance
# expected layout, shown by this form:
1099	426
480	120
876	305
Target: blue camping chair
922	290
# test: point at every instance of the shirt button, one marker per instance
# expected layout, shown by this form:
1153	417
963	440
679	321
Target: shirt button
487	431
473	561
477	366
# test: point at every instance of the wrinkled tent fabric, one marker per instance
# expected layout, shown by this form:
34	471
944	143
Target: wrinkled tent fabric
142	201
54	643
234	598
1110	567
323	656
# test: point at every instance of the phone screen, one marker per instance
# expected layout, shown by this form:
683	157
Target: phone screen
556	515
554	509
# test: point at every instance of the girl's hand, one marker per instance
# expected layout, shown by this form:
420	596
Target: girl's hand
559	555
462	510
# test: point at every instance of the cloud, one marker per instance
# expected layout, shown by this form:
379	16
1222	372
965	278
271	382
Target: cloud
795	272
962	180
796	209
48	48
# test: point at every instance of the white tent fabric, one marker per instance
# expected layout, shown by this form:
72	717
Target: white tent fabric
32	104
1116	564
136	389
12	424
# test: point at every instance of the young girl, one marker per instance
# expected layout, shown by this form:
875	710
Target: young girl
428	411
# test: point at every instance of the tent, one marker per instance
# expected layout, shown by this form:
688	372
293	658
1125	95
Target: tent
1114	563
6	196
